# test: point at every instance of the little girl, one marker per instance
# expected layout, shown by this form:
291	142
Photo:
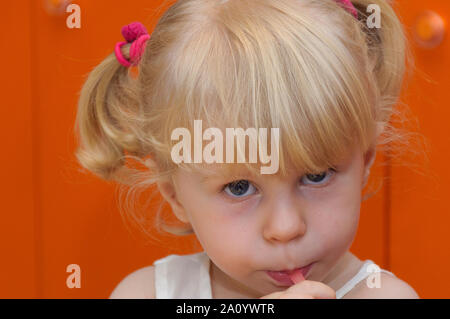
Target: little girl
314	70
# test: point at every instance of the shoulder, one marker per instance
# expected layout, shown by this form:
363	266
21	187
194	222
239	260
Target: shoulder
139	284
390	287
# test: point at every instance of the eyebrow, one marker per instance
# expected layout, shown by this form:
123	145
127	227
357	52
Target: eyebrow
238	173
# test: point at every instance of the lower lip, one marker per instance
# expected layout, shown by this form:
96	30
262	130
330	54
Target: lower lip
282	277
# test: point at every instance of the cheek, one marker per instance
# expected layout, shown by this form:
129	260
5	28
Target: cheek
229	247
232	224
227	235
335	222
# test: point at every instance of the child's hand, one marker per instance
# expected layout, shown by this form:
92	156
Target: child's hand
306	289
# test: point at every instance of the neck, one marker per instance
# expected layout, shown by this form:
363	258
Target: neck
343	271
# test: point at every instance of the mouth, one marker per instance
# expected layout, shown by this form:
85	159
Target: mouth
282	277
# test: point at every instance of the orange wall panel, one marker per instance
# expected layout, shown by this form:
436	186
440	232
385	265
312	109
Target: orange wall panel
419	210
18	268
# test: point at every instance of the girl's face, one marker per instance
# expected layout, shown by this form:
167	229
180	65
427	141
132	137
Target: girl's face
267	223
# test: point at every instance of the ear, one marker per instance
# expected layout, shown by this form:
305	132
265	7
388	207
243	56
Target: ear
168	191
369	156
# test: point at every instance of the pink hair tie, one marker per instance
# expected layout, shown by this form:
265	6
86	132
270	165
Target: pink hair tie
348	5
136	34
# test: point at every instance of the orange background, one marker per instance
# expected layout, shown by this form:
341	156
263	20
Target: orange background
54	215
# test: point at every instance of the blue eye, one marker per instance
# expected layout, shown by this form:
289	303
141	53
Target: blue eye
317	179
239	188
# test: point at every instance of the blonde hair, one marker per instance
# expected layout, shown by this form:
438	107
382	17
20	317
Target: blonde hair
307	67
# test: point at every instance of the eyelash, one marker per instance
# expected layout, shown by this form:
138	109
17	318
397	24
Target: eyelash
333	170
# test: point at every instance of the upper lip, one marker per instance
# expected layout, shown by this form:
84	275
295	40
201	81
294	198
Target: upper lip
289	270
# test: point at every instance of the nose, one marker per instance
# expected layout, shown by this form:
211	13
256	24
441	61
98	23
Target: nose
285	219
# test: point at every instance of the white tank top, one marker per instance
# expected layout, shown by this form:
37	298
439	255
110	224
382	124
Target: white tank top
187	277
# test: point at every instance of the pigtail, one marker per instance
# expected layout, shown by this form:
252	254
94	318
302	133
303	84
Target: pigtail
392	65
106	121
389	52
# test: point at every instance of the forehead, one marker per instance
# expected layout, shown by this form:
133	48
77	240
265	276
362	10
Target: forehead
206	172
